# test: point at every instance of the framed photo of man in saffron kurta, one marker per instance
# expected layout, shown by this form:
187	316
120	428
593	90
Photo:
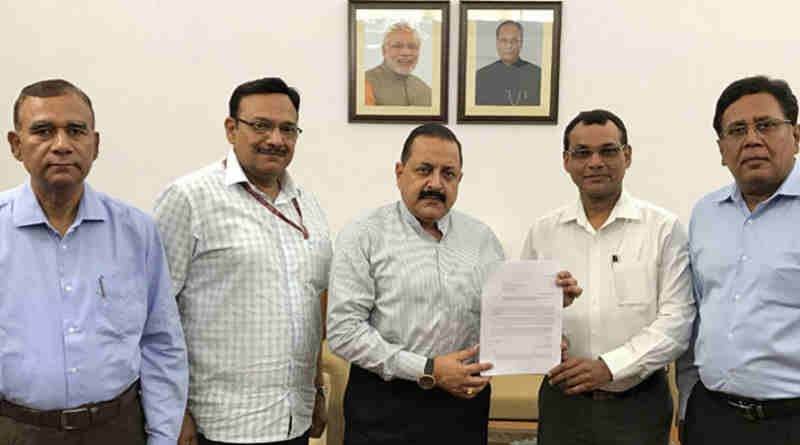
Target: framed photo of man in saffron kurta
508	62
398	61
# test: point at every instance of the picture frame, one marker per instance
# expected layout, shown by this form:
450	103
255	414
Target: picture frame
398	61
508	62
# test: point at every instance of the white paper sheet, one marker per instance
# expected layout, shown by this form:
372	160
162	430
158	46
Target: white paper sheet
521	318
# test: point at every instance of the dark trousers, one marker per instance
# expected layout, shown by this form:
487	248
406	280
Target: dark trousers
399	412
125	429
301	440
641	416
712	421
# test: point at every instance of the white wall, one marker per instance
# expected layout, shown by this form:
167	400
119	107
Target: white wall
160	74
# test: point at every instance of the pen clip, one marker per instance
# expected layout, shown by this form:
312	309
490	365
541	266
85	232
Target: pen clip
101	287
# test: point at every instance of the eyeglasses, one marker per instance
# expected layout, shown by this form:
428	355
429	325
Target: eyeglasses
607	153
765	127
509	42
264	126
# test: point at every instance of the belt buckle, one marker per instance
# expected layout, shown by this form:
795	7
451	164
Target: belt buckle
751	411
65	414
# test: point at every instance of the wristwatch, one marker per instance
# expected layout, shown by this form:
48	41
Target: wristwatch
427	380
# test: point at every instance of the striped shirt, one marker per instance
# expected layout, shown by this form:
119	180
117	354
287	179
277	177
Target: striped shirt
398	296
248	287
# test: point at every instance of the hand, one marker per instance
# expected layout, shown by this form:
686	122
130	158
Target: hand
319	417
457	378
569	287
577	375
188	434
564	348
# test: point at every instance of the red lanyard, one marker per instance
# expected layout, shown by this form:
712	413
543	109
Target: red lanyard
276	212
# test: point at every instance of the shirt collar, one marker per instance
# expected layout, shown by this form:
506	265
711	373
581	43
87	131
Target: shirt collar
235	175
443	224
789	187
515	64
233	170
625	208
28	212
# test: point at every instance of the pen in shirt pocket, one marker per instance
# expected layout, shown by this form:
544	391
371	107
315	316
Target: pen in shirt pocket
100	286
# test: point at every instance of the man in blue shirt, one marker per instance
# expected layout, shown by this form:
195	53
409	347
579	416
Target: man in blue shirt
91	348
740	384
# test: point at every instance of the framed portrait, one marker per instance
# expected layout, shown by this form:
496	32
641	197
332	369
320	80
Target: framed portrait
508	62
398	58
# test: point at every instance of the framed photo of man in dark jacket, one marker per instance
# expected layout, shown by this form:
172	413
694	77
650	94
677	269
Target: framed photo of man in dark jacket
508	62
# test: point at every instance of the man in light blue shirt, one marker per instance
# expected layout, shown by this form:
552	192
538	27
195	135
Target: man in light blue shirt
91	348
740	384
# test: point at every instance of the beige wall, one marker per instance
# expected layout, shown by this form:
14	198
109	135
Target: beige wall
160	74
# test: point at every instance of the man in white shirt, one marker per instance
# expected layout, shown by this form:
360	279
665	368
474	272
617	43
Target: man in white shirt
636	313
249	252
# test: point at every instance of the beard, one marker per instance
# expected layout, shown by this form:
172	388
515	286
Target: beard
403	69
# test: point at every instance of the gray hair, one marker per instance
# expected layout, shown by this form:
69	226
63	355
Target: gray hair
510	22
400	26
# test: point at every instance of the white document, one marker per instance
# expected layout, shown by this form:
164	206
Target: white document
521	318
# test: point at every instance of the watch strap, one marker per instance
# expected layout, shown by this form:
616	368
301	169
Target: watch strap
429	366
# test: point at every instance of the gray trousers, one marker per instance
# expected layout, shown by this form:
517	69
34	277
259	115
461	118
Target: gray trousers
642	416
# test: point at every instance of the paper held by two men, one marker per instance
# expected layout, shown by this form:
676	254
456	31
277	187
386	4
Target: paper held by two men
521	318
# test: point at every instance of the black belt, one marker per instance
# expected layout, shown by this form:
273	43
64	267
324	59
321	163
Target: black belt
79	418
652	380
753	409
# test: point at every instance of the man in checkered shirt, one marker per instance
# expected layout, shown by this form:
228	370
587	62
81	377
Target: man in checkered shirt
249	252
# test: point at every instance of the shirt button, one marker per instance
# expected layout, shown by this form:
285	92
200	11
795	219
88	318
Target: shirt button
736	297
730	335
71	330
68	288
744	257
63	247
749	221
73	370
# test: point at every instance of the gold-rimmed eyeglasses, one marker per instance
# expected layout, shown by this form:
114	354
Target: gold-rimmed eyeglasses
764	127
606	152
264	126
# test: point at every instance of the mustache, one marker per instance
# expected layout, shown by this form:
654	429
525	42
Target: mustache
436	194
274	151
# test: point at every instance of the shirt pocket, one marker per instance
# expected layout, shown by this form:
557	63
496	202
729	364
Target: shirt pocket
782	275
633	283
123	305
